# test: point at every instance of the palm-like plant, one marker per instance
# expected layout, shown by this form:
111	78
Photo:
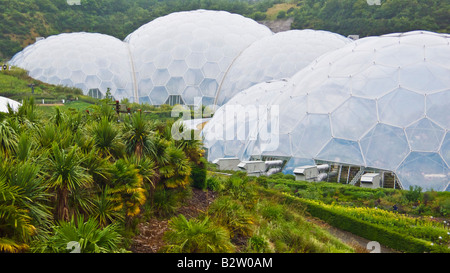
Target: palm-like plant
65	174
177	170
106	138
8	139
232	215
137	136
146	168
26	113
196	236
47	135
190	143
82	236
15	223
27	177
104	210
126	188
98	167
25	147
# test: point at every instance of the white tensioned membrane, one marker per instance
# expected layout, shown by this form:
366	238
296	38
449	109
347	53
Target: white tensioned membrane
4	102
380	102
83	60
275	57
184	55
236	127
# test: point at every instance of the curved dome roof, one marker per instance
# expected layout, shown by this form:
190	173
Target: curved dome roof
186	54
82	60
380	102
4	102
237	126
275	57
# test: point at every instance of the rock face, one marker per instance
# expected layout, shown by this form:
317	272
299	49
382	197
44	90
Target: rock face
278	25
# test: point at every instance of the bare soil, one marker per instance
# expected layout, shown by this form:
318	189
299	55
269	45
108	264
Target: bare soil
150	238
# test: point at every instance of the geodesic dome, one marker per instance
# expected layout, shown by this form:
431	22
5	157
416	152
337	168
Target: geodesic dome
380	102
4	102
89	61
185	55
275	57
236	127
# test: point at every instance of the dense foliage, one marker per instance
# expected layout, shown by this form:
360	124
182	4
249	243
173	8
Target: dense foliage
246	220
84	177
23	20
358	17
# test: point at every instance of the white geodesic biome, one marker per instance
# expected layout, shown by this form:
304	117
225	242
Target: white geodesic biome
173	59
185	55
235	128
276	57
90	61
4	102
380	102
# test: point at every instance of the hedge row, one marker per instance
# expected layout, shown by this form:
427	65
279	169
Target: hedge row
303	185
370	231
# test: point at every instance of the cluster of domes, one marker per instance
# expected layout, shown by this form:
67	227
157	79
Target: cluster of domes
170	60
301	95
183	56
379	102
188	58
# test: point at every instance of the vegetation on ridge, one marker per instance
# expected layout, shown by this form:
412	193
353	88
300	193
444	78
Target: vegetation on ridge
24	20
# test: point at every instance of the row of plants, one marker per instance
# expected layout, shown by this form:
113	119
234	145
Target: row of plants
83	177
398	231
242	220
413	201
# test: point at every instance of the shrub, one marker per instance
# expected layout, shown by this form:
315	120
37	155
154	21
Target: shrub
164	202
240	188
198	175
444	207
387	228
213	183
282	187
196	236
289	177
259	244
414	194
231	215
281	14
87	235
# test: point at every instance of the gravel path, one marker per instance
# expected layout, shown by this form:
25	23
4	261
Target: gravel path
359	243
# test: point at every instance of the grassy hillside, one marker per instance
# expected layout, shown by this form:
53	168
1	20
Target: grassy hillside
17	85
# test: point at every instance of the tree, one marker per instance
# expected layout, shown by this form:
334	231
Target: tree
15	223
104	210
176	171
106	138
26	176
65	174
137	136
127	189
